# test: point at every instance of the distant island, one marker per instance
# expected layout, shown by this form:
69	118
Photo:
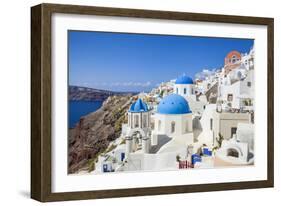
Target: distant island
79	93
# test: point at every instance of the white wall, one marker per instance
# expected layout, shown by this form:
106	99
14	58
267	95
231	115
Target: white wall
183	124
15	103
179	89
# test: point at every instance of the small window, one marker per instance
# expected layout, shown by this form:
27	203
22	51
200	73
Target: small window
184	90
234	59
233	131
230	97
249	84
173	127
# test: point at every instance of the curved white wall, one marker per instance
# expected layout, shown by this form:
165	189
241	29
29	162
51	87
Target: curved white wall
163	124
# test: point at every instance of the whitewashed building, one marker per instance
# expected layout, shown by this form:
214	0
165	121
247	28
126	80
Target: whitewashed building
157	148
179	117
240	148
236	85
185	87
137	131
174	119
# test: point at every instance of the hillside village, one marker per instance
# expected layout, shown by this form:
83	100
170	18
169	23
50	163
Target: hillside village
187	123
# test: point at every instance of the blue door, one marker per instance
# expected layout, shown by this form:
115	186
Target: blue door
105	168
122	156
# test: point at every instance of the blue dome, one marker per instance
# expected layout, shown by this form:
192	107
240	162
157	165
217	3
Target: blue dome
173	104
184	80
138	106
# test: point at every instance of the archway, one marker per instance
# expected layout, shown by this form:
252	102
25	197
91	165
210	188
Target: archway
136	130
137	135
232	152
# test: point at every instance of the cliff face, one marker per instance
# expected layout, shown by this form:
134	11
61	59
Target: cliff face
94	132
76	93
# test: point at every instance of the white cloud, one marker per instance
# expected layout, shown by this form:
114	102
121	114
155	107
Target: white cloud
124	84
130	84
147	84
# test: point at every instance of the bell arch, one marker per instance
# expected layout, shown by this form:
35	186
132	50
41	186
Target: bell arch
233	151
137	139
136	130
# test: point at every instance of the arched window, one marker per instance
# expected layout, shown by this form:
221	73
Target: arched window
152	125
173	127
136	121
187	126
132	120
144	121
184	90
159	125
232	152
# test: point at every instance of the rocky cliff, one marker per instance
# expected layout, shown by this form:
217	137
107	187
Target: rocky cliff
76	93
94	132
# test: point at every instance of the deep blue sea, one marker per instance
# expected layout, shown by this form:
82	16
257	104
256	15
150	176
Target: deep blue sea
78	109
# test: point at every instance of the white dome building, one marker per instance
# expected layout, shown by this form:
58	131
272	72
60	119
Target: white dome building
173	119
138	128
170	137
184	86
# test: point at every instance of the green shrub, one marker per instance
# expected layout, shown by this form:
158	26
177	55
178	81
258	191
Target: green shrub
123	141
92	164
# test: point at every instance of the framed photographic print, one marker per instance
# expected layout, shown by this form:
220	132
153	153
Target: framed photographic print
130	102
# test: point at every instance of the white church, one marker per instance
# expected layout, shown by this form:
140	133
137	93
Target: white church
154	140
185	87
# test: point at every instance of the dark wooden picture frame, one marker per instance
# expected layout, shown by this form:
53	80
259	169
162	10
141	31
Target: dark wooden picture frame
41	101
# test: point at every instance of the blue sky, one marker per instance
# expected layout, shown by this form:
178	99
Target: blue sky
138	62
